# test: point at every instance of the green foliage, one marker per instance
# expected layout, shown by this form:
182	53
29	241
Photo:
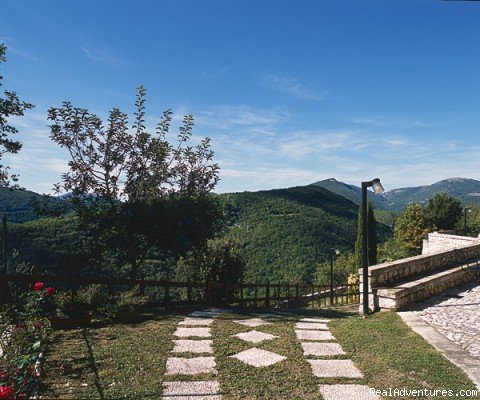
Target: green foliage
443	211
10	106
411	227
285	233
392	250
343	266
372	240
219	261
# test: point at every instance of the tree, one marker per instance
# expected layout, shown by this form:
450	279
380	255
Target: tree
135	190
444	211
10	106
411	227
371	238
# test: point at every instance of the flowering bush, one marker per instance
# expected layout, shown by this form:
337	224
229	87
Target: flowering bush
23	331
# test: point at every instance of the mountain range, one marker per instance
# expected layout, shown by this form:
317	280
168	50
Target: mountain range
466	190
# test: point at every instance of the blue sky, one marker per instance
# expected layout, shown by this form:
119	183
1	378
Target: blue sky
290	92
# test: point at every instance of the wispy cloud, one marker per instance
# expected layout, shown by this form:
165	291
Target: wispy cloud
376	121
290	86
105	55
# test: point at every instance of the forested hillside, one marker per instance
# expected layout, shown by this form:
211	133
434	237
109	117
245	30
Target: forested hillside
286	232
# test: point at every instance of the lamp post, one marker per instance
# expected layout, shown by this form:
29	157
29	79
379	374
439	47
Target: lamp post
336	253
465	220
377	188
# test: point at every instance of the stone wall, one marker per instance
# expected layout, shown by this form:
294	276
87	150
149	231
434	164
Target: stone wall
389	275
437	241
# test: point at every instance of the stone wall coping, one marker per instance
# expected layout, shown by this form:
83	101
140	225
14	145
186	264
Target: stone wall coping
399	264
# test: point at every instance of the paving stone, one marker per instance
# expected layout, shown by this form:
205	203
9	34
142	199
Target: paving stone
220	310
455	315
318	320
192	346
252	322
311	325
203	314
347	392
189	321
188	332
258	357
265	315
314	335
255	336
335	369
322	349
196	390
191	366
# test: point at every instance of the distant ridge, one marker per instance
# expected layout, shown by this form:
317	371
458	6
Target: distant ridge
465	189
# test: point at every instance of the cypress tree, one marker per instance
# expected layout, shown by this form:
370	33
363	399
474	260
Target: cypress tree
372	237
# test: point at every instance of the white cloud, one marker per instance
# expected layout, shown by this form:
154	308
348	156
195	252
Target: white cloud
105	55
290	86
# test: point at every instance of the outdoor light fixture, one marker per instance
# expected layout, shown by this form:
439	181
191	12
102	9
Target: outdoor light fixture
377	188
336	253
465	210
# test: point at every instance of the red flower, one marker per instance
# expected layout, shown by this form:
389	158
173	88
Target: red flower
6	392
3	375
49	291
38	286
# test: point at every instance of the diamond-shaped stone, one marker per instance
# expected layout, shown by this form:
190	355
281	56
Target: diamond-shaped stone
191	366
189	321
255	336
335	369
192	346
318	320
188	332
321	349
258	357
347	392
311	326
252	322
314	335
196	390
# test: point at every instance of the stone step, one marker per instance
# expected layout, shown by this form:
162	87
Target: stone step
414	290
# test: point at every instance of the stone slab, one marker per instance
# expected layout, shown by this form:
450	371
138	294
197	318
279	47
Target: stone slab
254	336
322	349
318	320
203	314
266	315
311	326
314	335
190	366
334	369
197	390
252	322
190	321
192	332
258	357
192	346
347	392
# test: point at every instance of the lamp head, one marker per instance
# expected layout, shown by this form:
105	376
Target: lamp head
377	186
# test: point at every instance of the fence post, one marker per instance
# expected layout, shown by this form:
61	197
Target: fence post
241	294
166	300
267	295
209	291
189	292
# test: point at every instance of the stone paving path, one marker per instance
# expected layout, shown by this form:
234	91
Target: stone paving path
455	314
317	341
192	338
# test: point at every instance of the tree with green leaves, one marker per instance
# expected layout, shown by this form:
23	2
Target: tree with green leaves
10	106
134	190
443	211
411	227
371	238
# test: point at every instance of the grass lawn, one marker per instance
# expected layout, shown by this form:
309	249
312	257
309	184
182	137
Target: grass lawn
128	360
